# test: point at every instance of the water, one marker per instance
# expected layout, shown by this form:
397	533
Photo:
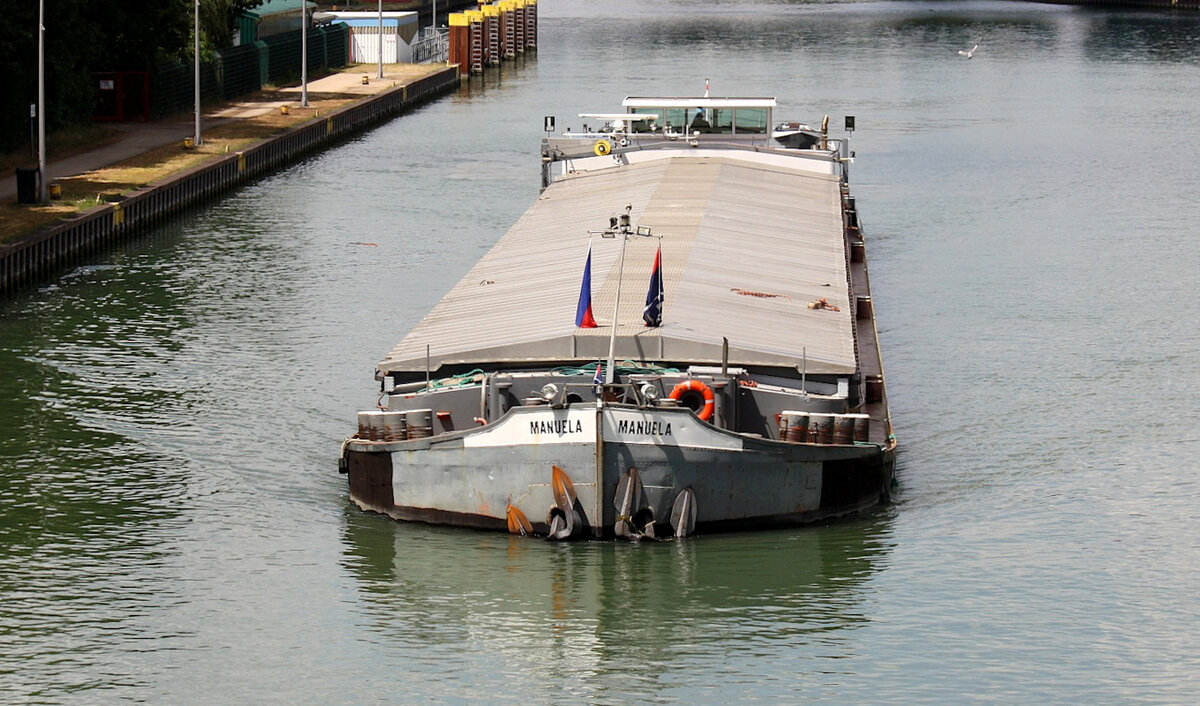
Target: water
173	529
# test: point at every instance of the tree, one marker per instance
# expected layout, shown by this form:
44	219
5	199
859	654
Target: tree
218	18
85	37
69	49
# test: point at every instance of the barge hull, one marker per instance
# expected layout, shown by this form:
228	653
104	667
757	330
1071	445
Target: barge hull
737	482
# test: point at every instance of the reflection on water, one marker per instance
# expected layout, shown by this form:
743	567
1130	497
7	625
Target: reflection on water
173	529
89	484
608	619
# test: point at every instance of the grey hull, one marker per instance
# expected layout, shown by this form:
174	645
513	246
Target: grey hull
471	478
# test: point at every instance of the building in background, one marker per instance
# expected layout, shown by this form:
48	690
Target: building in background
269	18
399	33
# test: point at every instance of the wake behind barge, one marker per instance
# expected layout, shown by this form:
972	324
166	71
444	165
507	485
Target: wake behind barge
712	364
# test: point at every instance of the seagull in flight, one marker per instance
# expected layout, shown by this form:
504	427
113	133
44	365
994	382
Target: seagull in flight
970	53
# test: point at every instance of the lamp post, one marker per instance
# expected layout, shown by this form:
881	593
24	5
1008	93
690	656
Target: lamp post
197	140
304	53
41	109
380	38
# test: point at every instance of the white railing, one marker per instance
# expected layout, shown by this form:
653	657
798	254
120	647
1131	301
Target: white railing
431	46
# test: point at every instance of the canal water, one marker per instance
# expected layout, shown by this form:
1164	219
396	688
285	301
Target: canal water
173	528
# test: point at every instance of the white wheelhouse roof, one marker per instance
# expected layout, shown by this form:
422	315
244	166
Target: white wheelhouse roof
698	102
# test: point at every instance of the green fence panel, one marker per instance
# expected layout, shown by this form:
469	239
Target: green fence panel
337	45
264	62
170	88
239	71
284	59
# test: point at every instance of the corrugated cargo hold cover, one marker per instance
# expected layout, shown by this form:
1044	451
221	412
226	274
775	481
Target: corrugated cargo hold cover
746	247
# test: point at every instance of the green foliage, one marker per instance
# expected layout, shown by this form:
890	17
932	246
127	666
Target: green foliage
217	18
70	50
85	37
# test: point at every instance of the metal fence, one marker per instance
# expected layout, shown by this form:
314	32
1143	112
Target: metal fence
244	69
431	46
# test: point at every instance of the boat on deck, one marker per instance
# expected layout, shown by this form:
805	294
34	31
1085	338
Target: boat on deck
678	336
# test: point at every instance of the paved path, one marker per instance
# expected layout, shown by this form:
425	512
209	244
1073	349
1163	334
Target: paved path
138	138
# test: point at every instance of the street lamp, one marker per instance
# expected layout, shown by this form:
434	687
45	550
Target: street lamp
197	140
304	53
42	101
380	38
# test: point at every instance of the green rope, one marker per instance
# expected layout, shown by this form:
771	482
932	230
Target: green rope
456	380
626	367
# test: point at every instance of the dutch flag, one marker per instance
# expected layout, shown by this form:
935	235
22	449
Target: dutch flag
652	314
583	312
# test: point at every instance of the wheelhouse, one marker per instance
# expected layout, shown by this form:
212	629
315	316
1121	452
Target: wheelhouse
718	116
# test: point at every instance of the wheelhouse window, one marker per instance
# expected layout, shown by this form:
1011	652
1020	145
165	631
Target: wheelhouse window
710	120
676	118
750	120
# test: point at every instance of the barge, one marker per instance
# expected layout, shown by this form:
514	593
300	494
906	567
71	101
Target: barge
678	336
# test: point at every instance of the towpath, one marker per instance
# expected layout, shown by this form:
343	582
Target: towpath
144	141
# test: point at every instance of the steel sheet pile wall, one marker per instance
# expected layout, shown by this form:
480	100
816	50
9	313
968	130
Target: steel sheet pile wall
25	259
496	31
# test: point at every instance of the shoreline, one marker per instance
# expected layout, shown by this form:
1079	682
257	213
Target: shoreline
26	258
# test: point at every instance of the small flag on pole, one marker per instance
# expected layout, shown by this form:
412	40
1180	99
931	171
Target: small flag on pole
599	378
583	312
652	314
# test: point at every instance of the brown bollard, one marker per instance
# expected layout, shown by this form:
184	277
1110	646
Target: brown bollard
843	429
419	423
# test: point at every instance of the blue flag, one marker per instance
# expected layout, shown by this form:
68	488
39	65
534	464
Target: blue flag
652	314
583	312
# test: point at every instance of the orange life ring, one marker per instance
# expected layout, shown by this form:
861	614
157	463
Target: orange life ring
686	386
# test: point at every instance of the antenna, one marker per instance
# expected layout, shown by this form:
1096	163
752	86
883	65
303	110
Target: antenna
804	370
619	225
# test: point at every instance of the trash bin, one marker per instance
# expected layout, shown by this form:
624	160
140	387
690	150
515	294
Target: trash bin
27	185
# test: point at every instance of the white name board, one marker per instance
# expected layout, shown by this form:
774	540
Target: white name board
649	427
545	426
578	426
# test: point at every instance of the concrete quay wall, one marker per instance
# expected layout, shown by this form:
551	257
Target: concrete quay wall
28	259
